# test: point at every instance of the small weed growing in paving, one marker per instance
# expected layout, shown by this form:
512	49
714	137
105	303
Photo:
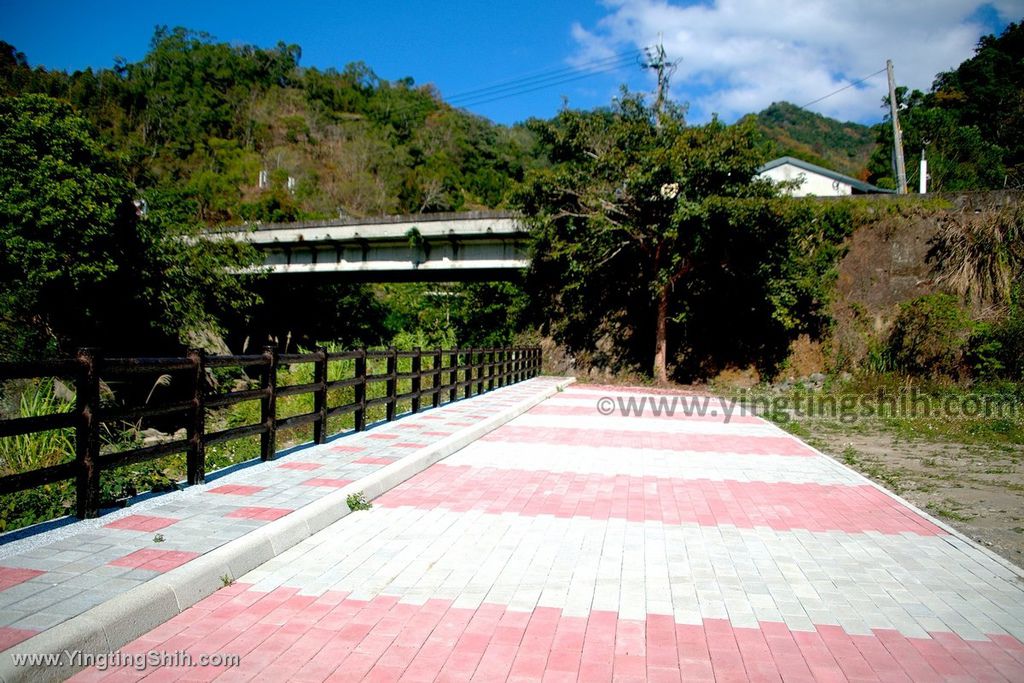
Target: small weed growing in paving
357	501
159	538
226	580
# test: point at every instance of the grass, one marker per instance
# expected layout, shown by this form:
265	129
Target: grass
357	501
27	452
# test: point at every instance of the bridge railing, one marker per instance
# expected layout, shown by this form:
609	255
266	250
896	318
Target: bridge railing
435	376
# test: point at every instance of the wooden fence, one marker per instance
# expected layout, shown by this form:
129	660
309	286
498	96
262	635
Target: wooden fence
452	372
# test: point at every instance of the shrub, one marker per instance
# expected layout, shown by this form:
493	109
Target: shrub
929	336
996	350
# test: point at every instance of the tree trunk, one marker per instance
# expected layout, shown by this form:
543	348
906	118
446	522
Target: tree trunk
661	338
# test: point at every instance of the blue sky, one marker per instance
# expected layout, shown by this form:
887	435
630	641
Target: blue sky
736	56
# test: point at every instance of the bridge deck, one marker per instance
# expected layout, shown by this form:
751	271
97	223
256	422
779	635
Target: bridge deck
429	247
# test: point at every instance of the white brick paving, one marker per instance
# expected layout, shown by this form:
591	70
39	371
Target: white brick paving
911	583
860	581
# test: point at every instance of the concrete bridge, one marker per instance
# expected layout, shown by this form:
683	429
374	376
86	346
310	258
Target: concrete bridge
479	245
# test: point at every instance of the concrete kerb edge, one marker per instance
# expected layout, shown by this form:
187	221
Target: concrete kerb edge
991	554
113	624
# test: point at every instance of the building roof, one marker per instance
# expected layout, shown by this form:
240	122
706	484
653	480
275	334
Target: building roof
858	185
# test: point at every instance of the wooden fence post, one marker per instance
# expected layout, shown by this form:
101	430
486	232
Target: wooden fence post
479	371
453	360
435	399
195	459
320	397
392	382
467	374
359	391
87	438
490	369
268	404
416	369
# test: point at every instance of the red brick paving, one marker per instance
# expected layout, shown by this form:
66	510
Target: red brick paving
142	523
781	506
326	481
156	560
236	490
375	460
9	637
301	465
12	576
281	635
259	513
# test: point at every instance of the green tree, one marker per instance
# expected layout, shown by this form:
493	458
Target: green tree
621	215
80	265
970	124
66	221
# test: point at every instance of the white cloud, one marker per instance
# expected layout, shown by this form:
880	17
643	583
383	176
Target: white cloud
739	56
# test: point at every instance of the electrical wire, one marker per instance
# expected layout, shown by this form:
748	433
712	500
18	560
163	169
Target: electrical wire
472	102
845	87
543	76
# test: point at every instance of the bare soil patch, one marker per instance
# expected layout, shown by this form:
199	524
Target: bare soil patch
976	488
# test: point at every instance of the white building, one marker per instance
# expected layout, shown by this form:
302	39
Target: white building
815	180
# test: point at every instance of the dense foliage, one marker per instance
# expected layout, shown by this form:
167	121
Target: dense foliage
80	266
655	242
970	124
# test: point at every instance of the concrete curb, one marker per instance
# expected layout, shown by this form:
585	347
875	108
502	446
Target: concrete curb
111	625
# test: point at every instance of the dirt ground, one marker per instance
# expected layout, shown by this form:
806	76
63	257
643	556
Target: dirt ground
977	489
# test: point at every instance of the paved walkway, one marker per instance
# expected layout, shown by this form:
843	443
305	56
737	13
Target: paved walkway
568	545
50	577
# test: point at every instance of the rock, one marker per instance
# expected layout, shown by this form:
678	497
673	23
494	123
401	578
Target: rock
209	341
151	436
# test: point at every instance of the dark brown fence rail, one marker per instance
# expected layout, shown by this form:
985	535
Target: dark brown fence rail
450	372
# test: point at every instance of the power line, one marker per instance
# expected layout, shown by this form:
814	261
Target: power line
472	102
845	87
530	80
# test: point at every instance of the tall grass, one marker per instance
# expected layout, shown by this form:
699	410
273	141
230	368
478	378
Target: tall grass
27	452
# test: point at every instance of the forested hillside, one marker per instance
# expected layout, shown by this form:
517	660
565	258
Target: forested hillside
970	124
202	119
792	131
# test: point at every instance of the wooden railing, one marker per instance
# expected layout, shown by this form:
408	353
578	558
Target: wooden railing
451	372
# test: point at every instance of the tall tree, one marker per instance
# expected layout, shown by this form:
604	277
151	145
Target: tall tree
621	215
80	265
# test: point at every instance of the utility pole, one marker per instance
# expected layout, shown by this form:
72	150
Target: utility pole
897	134
656	60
